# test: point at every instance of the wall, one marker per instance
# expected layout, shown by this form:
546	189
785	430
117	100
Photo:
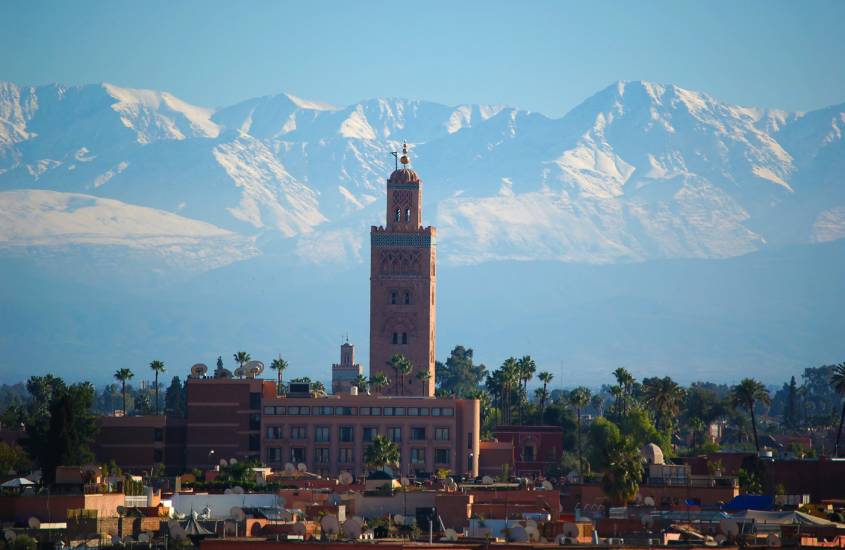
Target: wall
220	505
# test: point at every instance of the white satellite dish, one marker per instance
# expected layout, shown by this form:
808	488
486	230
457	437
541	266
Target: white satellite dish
302	467
199	370
352	527
253	369
487	480
223	374
224	462
237	513
289	468
404	481
399	519
518	534
648	501
10	534
451	485
299	528
238	490
227	491
729	527
570	530
773	540
34	523
345	478
451	535
533	533
233	461
547	485
240	372
329	524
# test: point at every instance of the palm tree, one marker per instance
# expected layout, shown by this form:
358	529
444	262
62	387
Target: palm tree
424	376
597	402
279	365
380	453
696	426
664	396
546	378
318	389
746	394
157	366
527	368
122	375
242	358
623	471
579	398
626	382
510	377
379	381
837	380
361	383
401	367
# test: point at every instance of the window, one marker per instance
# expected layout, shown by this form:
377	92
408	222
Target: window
398	214
441	434
270	410
393	297
297	454
255	401
394	434
441	456
280	410
345	411
274	454
407	298
158	455
528	453
321	433
346	434
255	421
323	411
274	432
413	411
404	337
254	442
299	411
298	432
344	456
417	456
395	338
423	411
158	434
435	411
321	455
399	411
370	434
407	214
417	434
388	411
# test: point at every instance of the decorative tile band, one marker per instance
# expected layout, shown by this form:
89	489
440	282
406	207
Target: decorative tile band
412	186
417	240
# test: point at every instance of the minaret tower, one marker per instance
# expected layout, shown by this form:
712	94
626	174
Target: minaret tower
402	286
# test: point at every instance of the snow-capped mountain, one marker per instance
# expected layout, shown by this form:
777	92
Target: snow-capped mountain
638	171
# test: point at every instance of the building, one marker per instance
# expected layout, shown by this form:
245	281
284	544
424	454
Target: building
136	443
536	449
402	286
347	371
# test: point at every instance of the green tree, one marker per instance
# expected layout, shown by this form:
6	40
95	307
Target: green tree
123	375
664	397
361	383
423	376
176	399
837	381
546	378
380	453
459	376
402	367
318	388
379	381
157	367
623	471
143	403
279	365
747	394
696	426
13	458
579	398
241	358
625	383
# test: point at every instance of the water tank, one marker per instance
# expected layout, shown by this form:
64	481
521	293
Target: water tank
353	390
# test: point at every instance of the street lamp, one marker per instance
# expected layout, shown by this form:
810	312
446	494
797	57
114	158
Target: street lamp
211	452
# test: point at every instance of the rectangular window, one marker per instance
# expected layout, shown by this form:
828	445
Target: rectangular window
395	338
435	411
323	411
254	442
449	412
404	337
346	434
375	411
441	456
394	434
269	411
418	456
413	411
345	411
417	434
370	434
321	455
274	432
158	455
280	410
255	421
469	440
298	432
297	454
423	411
158	434
365	411
399	411
255	401
299	411
344	456
274	454
441	434
321	433
388	411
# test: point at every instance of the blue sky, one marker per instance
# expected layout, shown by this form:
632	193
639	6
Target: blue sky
542	56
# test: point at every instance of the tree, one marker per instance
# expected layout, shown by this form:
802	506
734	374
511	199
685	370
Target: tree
459	376
579	398
361	383
546	378
837	381
122	376
143	404
597	402
747	394
623	471
279	365
424	376
401	367
379	381
626	382
157	367
664	396
13	458
318	388
526	367
696	426
176	399
241	358
380	453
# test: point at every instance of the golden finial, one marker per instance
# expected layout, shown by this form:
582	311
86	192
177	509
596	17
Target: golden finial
405	160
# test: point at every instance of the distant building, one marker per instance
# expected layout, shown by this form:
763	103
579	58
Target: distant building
347	371
536	449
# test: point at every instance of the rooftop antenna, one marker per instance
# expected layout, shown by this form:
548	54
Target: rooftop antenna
395	159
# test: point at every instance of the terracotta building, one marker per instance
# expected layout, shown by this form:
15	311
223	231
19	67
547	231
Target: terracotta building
402	286
536	449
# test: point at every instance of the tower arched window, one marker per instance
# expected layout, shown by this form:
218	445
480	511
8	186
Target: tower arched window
395	338
404	337
407	298
393	297
398	214
407	214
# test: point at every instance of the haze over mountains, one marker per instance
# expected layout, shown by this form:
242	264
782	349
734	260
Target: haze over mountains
131	196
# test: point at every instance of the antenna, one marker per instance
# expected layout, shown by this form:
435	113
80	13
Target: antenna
395	158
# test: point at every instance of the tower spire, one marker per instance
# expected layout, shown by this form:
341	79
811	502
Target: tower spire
405	160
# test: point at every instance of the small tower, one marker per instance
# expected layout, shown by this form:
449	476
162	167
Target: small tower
345	372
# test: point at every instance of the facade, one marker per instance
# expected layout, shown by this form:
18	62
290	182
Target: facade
345	372
536	449
136	443
402	286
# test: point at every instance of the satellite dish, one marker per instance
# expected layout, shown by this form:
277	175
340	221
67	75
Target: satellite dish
198	370
302	467
451	535
352	527
289	467
253	369
237	513
223	373
404	481
648	501
729	527
329	524
237	490
227	491
721	539
34	523
10	534
240	372
224	462
299	527
773	539
487	480
518	534
451	485
547	485
399	519
647	520
533	533
345	478
233	461
570	530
